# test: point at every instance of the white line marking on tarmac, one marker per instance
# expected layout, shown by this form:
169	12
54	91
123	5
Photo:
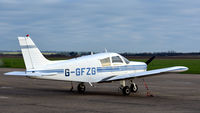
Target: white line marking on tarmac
5	87
3	97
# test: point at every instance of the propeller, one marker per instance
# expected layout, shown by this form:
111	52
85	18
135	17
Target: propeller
150	60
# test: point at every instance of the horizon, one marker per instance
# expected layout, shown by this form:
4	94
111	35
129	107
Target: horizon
57	52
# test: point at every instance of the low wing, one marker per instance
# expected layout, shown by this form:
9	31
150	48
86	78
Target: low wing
23	73
145	73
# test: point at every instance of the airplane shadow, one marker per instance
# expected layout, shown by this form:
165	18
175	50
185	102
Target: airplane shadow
61	92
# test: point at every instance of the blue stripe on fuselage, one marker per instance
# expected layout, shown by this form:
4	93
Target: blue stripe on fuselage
121	68
50	71
101	69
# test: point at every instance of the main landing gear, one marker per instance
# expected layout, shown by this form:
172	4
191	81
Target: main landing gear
81	88
126	90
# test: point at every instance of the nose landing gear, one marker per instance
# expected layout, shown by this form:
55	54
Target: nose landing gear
134	88
126	90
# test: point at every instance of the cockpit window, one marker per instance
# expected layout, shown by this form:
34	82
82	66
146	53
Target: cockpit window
105	62
116	59
126	60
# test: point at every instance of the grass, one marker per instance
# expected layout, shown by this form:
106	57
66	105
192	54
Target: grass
192	64
15	62
12	62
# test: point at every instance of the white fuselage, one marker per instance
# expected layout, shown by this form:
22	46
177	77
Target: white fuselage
91	68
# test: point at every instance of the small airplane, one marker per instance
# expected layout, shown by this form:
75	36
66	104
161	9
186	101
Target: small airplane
94	68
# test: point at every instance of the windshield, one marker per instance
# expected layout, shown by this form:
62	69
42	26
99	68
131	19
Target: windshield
126	60
116	59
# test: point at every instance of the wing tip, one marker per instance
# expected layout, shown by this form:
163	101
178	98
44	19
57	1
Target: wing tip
180	69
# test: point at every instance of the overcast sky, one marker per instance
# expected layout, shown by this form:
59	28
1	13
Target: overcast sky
92	25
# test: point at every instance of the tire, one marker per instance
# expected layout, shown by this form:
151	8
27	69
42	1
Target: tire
81	88
134	89
126	90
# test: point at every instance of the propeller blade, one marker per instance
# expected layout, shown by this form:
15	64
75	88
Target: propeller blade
150	60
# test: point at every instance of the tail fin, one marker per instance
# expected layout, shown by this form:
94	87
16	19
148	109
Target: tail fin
33	58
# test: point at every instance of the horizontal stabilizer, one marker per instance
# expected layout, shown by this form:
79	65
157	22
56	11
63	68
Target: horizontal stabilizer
23	73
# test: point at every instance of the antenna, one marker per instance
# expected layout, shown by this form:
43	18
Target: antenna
106	50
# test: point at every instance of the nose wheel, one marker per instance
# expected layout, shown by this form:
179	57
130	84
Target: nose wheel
81	88
126	90
134	88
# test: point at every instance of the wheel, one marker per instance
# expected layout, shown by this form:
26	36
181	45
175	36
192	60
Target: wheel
81	88
134	88
126	90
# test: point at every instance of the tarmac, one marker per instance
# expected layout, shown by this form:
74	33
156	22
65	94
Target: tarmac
173	93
